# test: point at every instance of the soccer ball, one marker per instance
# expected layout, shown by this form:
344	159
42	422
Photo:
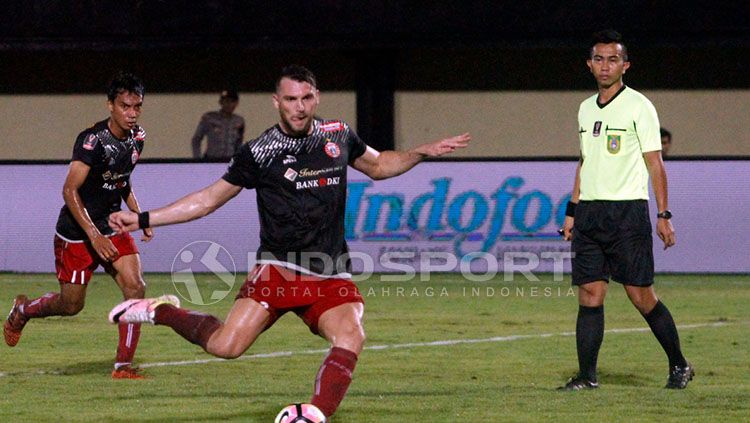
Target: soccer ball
300	413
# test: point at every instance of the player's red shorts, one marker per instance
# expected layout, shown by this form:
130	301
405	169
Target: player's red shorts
75	261
281	290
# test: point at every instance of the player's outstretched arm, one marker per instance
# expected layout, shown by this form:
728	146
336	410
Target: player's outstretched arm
190	207
387	164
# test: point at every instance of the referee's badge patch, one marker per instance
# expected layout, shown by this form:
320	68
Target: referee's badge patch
597	128
613	144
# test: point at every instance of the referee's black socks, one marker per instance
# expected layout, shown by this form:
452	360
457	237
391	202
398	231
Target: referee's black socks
662	325
589	335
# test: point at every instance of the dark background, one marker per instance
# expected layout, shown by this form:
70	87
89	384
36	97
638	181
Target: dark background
373	48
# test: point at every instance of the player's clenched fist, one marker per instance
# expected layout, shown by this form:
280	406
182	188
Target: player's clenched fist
123	221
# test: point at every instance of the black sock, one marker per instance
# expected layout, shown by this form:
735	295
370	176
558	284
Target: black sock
589	336
663	327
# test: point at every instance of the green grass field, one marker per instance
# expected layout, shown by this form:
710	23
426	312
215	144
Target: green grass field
518	346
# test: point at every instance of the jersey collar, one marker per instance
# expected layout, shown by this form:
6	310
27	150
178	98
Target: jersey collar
601	106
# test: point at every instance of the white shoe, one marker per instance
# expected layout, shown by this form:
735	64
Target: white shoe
140	310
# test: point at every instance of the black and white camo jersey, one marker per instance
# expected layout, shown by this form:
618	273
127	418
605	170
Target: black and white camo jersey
300	186
112	160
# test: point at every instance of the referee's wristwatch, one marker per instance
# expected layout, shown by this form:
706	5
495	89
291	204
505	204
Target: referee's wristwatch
666	214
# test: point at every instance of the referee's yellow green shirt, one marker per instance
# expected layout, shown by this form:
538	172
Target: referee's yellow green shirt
613	139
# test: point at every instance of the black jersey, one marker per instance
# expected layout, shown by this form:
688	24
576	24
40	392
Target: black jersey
301	194
112	160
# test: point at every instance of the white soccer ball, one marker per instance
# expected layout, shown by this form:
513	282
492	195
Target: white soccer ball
300	413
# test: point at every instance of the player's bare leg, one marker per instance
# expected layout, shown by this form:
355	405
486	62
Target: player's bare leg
342	327
589	334
662	324
246	320
68	302
126	271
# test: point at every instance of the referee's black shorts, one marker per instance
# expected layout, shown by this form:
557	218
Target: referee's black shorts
613	239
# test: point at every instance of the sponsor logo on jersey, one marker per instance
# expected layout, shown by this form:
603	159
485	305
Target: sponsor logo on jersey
332	149
90	142
317	183
334	126
108	175
290	159
613	144
112	186
307	173
291	174
597	128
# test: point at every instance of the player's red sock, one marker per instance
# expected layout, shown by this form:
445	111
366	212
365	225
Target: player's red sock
333	380
129	335
194	326
41	307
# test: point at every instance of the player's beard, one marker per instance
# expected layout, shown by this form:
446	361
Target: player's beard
290	129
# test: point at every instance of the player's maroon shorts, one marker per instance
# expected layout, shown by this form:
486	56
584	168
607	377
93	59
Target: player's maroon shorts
280	290
75	261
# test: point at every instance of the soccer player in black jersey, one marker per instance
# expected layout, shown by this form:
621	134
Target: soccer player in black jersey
298	169
97	182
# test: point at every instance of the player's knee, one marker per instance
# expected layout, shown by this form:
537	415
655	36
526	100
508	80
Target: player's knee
72	308
591	295
228	351
134	291
351	337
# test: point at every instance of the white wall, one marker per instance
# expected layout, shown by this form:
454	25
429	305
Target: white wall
45	126
544	123
503	123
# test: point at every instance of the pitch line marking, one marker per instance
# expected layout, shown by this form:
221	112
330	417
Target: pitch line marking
450	342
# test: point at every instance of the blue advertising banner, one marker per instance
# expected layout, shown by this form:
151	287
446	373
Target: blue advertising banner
484	217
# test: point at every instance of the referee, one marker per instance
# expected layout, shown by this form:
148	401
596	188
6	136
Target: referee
608	217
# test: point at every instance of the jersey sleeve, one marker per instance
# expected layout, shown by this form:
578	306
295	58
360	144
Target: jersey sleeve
357	147
88	149
647	127
243	170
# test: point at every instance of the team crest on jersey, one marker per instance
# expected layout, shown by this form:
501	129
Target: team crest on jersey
334	126
90	142
613	144
597	128
332	149
291	174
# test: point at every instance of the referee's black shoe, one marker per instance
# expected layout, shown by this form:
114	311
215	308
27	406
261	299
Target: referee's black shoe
578	383
679	376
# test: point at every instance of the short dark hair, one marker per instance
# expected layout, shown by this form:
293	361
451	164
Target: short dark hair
609	36
124	81
665	133
297	73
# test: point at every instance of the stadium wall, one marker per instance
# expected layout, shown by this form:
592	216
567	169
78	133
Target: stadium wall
503	123
44	127
489	209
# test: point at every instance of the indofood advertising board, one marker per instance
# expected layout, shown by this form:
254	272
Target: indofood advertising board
440	216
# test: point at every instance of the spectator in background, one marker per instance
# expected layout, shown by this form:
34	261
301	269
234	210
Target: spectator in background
223	129
666	142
